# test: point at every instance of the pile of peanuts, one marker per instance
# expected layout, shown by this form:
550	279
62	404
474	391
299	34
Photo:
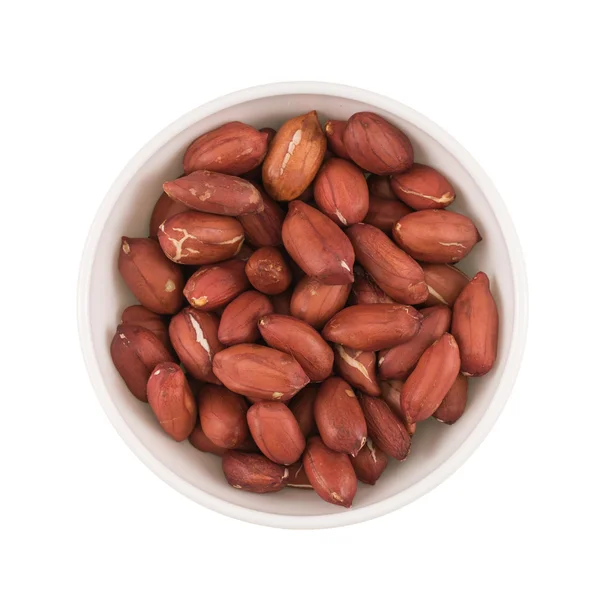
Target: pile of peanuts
300	312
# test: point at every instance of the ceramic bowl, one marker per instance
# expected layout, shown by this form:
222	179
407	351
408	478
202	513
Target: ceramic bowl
438	449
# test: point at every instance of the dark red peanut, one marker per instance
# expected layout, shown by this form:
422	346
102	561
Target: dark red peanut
385	428
423	187
475	326
234	148
155	281
301	341
264	228
341	192
385	213
268	272
394	271
334	130
193	334
454	403
215	286
135	351
171	400
315	302
444	283
376	145
330	473
199	440
164	208
358	368
339	418
373	326
398	362
436	236
391	392
195	238
317	245
239	321
253	472
369	463
141	316
223	416
276	432
215	193
431	380
259	372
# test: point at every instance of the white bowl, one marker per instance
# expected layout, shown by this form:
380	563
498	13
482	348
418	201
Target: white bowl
438	449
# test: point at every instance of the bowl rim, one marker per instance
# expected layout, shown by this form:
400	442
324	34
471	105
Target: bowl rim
500	396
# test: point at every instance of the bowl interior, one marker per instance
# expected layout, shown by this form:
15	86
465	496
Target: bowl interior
107	296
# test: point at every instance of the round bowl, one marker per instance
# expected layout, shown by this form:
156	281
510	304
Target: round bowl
438	450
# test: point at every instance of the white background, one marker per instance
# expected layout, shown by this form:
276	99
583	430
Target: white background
85	85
